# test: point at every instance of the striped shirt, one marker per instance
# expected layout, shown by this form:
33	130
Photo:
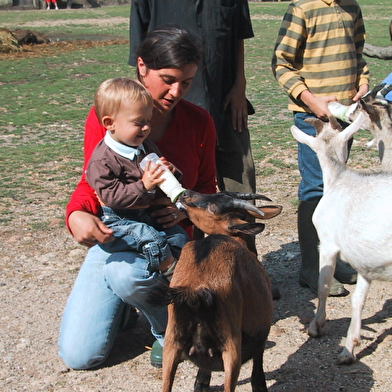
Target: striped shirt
319	48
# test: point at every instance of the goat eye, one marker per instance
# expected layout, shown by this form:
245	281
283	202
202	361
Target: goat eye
210	209
213	209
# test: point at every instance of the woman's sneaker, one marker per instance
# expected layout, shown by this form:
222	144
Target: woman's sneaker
156	355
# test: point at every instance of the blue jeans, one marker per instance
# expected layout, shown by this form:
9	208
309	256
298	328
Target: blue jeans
95	308
136	231
311	184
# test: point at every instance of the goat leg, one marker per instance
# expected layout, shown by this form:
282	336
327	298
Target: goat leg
358	299
258	377
327	269
171	358
202	383
169	368
231	357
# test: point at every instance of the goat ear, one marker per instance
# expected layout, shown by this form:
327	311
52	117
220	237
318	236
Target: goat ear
302	137
334	123
316	122
213	209
270	211
246	228
369	109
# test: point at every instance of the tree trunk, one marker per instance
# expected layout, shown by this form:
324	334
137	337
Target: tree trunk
384	53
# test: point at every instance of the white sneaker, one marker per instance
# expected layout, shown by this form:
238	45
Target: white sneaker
48	7
56	8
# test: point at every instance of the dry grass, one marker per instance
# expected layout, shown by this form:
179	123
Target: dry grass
8	42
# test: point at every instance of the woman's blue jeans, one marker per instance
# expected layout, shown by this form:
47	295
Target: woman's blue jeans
95	308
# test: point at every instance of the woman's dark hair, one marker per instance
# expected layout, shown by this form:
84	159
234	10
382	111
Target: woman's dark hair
170	46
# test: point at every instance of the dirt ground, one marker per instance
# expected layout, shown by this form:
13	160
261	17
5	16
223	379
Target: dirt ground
38	270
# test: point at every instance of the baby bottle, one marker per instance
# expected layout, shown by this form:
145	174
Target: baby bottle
170	186
342	112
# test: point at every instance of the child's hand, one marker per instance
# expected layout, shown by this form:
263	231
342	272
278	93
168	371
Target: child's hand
167	164
151	177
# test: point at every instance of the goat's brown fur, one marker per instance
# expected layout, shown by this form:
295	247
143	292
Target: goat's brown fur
222	306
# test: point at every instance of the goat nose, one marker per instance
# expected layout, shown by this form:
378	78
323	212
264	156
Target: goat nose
187	193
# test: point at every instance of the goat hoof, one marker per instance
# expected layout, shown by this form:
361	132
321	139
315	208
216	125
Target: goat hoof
259	389
201	387
314	330
345	358
275	293
337	289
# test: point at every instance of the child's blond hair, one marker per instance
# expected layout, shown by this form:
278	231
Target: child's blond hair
113	94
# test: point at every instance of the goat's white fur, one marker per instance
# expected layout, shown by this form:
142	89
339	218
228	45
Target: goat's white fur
354	221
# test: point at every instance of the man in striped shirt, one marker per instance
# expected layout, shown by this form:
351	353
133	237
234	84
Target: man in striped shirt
317	60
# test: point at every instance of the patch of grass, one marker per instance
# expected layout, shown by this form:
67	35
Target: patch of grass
266	171
40	225
39	91
5	217
278	163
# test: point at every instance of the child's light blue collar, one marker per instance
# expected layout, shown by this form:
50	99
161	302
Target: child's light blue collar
122	149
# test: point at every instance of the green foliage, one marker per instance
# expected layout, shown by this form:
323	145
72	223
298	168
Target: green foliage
44	101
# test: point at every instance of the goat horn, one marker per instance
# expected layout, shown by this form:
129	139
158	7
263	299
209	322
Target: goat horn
243	204
385	90
379	92
375	91
246	196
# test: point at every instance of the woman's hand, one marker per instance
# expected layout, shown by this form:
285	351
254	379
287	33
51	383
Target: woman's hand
168	215
88	229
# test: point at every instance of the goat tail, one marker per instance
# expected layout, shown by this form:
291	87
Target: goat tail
203	299
158	295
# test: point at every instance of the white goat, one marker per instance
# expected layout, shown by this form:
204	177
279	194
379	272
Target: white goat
353	220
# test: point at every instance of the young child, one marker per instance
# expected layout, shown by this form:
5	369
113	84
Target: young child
124	107
317	60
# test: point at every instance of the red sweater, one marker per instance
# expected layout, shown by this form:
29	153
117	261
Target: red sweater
189	144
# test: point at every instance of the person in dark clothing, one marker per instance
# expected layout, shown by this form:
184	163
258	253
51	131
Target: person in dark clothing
220	83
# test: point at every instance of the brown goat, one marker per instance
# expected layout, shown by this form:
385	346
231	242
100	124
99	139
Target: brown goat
221	306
